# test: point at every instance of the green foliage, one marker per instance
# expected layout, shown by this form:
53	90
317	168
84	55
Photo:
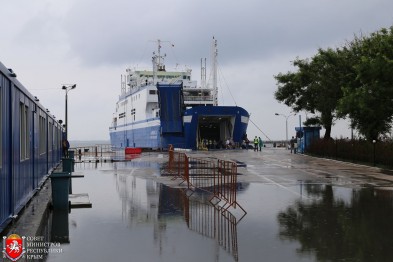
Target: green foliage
368	94
354	81
314	87
312	121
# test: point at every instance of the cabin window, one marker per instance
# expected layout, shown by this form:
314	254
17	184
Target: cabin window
43	128
1	126
55	146
50	136
24	140
152	92
59	137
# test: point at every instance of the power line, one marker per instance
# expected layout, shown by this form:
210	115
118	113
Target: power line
45	89
260	130
226	84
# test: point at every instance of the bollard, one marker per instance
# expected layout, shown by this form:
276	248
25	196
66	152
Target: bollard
71	154
60	187
68	166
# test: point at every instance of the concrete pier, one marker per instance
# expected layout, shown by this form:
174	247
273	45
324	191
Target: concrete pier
140	212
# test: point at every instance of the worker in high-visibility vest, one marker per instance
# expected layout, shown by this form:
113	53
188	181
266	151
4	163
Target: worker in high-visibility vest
256	141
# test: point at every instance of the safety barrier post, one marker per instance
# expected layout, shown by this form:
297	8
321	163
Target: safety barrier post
186	170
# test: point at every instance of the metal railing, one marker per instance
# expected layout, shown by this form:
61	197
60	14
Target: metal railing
99	150
206	219
211	222
218	177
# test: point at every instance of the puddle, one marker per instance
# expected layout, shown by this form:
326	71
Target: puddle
137	219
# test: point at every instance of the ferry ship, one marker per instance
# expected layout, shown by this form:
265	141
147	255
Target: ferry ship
157	108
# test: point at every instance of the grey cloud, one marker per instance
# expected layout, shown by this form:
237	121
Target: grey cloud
118	31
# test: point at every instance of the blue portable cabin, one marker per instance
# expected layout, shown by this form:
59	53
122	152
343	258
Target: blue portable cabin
30	145
306	135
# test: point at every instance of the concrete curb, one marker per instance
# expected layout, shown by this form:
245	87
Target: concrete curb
33	220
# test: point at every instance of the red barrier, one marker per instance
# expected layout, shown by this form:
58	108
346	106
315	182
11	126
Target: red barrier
133	150
218	177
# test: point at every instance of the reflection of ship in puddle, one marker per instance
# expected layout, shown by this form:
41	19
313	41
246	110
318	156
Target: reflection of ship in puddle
146	201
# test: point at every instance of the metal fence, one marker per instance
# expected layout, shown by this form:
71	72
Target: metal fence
377	153
98	150
218	177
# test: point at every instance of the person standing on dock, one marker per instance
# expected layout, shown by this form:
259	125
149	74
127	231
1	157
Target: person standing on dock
293	145
260	143
66	146
256	141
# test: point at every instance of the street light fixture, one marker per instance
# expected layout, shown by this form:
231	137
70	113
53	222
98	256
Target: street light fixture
286	125
67	88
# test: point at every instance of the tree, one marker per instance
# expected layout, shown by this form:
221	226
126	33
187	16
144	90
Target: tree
368	89
315	87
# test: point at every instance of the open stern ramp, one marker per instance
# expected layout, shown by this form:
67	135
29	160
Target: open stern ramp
214	124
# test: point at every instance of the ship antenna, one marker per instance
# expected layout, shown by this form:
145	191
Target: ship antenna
214	68
159	51
158	60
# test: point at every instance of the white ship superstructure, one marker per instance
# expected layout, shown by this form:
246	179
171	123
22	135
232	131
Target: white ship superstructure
136	121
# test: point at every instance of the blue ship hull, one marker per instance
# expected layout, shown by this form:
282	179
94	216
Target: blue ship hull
194	120
147	137
201	126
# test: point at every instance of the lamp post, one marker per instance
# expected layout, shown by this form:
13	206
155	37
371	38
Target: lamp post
286	125
67	88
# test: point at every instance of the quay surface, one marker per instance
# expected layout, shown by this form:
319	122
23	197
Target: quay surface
299	208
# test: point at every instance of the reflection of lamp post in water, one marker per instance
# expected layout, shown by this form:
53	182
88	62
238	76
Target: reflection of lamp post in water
286	126
374	141
67	88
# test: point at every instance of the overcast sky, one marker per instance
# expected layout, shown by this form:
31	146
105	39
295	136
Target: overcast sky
49	43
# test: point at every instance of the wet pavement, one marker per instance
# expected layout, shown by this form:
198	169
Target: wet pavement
299	208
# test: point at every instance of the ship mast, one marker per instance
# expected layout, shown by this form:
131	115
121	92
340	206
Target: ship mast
158	61
214	68
203	74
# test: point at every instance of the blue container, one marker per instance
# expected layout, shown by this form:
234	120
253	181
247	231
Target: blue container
60	189
305	135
